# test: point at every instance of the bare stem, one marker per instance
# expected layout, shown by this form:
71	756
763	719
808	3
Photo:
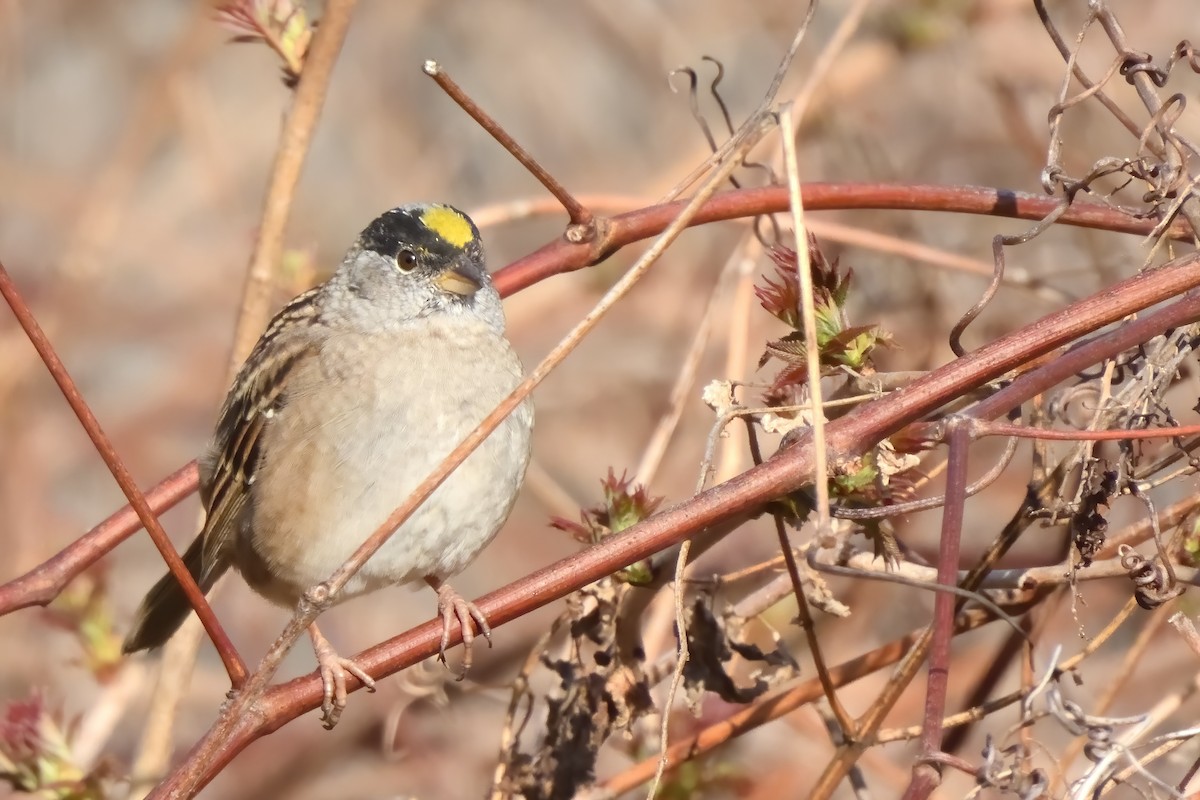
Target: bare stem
583	227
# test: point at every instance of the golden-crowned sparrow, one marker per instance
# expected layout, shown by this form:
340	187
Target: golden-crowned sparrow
357	390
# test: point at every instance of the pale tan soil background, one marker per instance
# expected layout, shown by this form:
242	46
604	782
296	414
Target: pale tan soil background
134	149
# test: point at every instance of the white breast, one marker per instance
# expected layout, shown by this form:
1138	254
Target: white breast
359	432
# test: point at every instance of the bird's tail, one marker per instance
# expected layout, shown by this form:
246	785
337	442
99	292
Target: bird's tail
165	606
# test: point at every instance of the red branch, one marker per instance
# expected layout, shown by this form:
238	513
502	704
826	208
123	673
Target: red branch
563	256
44	582
723	507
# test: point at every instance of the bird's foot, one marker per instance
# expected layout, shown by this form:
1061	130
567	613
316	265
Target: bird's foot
453	606
333	677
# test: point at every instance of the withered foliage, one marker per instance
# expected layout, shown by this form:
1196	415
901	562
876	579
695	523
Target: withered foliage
599	682
1089	528
599	686
600	689
715	650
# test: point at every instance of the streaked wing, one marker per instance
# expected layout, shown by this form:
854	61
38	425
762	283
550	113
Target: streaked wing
257	394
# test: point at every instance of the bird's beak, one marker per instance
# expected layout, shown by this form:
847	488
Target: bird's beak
456	280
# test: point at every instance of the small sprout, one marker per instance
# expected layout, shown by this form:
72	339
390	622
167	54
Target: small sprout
830	288
881	476
841	345
909	442
624	505
282	25
782	300
83	611
883	541
35	754
855	476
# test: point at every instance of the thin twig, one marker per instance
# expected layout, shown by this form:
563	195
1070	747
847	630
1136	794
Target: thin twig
737	348
290	155
681	659
973	714
660	437
865	564
808	319
764	105
582	227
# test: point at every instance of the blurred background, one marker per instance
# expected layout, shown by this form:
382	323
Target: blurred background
135	145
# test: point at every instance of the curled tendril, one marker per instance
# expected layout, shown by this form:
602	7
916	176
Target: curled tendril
1004	771
693	89
694	105
1152	582
1136	62
1098	730
1184	51
716	94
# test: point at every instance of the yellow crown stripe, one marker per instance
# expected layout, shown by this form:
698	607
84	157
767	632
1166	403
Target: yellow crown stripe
449	225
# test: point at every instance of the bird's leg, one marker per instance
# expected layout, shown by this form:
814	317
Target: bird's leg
333	677
452	606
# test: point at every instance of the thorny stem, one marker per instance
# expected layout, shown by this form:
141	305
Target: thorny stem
562	256
1183	311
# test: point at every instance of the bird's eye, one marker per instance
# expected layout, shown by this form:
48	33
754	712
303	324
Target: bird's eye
406	260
